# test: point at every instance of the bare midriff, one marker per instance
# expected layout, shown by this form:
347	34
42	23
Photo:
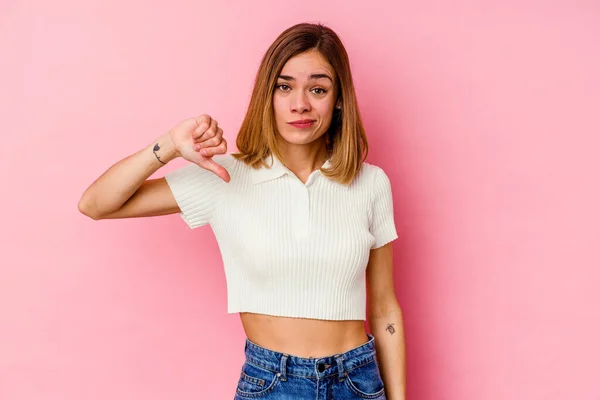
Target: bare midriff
303	337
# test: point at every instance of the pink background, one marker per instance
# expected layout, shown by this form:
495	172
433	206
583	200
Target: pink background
485	115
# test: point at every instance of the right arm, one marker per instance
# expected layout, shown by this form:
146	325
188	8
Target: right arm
124	190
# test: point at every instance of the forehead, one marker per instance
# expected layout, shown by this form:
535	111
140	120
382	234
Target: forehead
303	65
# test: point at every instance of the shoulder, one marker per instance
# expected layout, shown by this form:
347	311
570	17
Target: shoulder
370	175
372	182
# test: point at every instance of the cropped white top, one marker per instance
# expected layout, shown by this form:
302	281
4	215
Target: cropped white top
290	249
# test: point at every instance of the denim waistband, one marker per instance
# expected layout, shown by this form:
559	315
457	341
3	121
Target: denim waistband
285	364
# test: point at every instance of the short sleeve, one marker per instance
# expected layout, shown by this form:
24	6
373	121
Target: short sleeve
196	191
382	225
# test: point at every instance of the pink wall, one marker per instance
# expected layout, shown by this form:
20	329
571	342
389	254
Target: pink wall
485	117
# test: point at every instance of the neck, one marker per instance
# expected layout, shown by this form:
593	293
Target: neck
302	159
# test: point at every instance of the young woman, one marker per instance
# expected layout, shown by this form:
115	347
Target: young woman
304	225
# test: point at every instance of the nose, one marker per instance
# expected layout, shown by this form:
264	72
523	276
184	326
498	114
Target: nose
300	103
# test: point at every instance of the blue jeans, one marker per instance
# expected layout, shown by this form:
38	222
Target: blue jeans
268	374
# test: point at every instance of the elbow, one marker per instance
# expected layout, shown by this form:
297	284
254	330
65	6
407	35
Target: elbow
84	208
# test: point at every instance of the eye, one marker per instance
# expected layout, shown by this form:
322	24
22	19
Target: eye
282	86
323	91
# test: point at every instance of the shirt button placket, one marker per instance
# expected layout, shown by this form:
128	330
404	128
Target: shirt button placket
297	209
304	212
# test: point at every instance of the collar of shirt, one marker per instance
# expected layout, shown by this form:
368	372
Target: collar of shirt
278	169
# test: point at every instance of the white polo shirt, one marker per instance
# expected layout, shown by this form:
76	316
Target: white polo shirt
290	249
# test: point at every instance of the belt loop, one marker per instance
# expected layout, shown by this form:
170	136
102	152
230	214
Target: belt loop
283	367
340	364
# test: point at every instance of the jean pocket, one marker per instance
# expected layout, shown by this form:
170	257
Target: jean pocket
256	381
365	381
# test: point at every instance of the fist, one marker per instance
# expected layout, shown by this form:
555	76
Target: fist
198	140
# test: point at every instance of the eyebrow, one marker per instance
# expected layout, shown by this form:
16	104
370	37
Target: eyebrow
311	77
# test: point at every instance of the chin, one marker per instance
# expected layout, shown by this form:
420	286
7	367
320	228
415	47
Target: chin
298	137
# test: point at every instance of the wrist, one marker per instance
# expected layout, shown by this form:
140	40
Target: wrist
164	149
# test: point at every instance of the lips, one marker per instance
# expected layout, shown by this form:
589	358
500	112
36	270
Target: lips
302	123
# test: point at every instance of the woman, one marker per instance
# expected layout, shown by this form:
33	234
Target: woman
304	225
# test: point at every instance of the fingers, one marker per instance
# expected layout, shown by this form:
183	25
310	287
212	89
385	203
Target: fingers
208	137
205	127
221	148
209	141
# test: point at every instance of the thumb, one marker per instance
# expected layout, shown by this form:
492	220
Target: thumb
210	165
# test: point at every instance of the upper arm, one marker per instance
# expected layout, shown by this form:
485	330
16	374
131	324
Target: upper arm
382	225
153	197
380	281
380	267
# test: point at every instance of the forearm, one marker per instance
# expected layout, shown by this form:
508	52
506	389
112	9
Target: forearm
388	330
115	186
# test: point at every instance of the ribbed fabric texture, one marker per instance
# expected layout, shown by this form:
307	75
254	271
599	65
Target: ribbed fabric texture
289	248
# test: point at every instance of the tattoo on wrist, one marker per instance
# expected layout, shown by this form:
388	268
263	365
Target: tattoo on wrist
390	329
154	150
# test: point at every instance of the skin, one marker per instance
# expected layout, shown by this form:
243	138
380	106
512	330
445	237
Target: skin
303	152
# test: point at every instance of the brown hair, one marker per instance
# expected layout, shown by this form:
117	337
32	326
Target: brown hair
346	141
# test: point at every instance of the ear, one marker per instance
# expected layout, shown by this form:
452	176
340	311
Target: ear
338	104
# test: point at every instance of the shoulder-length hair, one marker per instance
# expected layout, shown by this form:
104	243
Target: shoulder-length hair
347	145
